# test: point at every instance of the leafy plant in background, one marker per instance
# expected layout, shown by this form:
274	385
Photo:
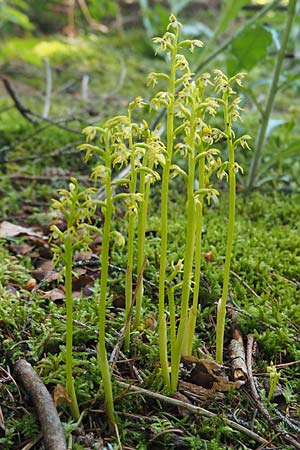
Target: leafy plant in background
13	12
266	112
75	207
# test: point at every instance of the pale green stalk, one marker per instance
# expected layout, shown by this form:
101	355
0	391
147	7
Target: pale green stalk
189	252
130	245
164	219
221	313
170	290
68	258
103	361
142	221
198	255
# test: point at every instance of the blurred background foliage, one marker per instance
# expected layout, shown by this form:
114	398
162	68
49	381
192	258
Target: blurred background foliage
240	35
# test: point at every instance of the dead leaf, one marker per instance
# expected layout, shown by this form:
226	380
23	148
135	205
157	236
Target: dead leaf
60	396
21	249
44	270
31	284
206	373
9	230
183	398
55	295
198	392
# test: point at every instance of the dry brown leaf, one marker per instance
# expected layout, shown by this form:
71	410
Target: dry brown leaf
183	398
31	284
202	394
9	230
55	294
60	396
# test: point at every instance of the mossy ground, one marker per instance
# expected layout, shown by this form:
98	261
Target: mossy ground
264	284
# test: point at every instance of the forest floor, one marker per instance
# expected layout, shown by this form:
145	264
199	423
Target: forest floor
93	81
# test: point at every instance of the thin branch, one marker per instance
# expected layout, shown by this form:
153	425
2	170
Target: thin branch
48	88
18	104
27	113
85	87
53	433
194	409
263	410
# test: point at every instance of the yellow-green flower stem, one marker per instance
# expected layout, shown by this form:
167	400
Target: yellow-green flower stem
102	354
130	245
170	290
221	313
189	252
142	221
164	218
197	258
68	258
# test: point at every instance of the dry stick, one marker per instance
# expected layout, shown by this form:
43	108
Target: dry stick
194	409
285	436
236	348
53	433
244	283
27	113
18	104
48	88
92	23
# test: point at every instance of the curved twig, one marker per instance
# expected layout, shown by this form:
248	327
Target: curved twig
53	433
194	409
262	409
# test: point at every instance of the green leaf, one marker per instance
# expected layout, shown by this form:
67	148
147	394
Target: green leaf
249	47
230	10
17	17
177	5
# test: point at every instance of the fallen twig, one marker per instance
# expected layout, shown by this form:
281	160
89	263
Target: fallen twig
194	409
53	433
236	348
48	88
27	113
263	410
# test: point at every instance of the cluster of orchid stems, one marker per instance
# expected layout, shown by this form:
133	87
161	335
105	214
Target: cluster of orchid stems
76	208
190	113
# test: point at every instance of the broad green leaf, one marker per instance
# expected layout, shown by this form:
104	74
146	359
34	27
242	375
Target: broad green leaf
230	10
249	47
12	15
